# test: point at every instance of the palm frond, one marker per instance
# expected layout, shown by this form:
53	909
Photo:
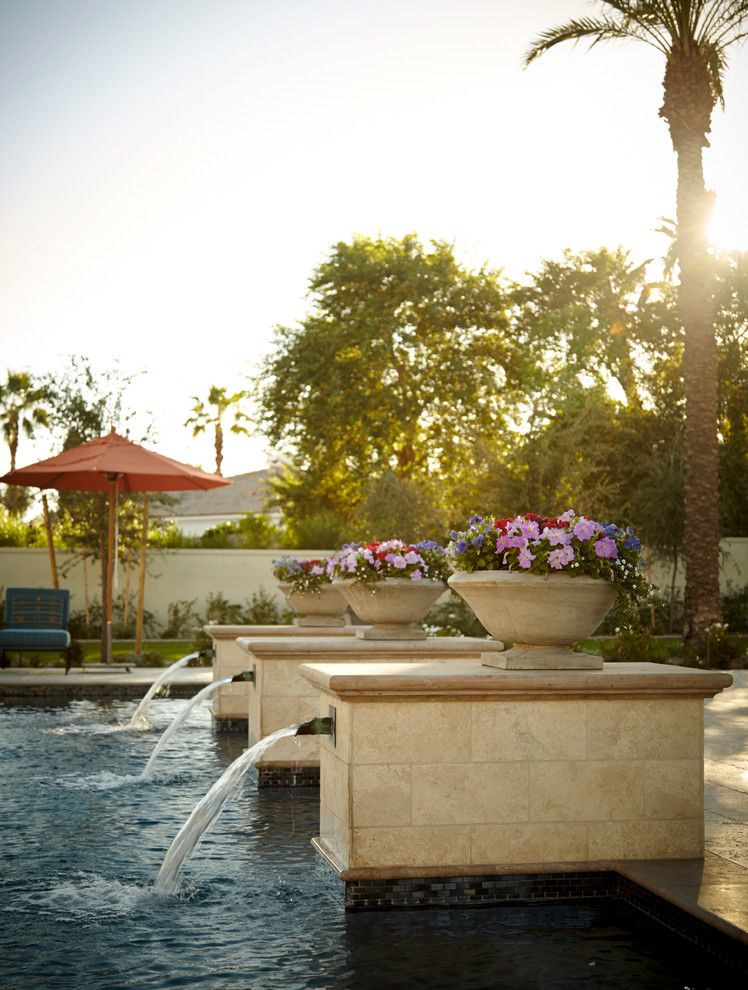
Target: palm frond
599	29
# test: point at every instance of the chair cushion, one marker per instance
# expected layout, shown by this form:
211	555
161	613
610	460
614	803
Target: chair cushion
34	639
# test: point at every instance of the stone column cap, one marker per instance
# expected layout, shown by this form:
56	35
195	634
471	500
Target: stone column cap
471	680
221	632
356	650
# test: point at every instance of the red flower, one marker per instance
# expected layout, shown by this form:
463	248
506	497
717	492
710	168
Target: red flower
502	524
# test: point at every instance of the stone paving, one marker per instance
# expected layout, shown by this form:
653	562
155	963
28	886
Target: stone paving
715	889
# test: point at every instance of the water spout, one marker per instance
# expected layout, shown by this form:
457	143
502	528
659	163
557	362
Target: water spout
208	809
246	675
182	717
317	726
138	720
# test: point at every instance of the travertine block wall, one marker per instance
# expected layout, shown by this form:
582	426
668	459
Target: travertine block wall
232	700
281	696
479	785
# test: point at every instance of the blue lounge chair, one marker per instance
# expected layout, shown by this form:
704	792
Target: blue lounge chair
36	620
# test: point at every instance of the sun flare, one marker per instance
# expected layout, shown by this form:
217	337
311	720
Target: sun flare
728	231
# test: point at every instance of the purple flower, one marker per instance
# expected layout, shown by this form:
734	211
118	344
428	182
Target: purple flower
399	562
478	540
556	537
453	534
475	520
461	546
632	543
416	576
559	558
526	558
606	547
316	569
611	530
585	529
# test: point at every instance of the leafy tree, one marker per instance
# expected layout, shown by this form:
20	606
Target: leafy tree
695	37
210	414
402	364
397	506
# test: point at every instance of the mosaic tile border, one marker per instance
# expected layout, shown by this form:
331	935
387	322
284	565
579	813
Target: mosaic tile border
495	891
288	776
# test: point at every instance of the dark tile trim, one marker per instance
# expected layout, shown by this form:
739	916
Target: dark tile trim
288	776
494	891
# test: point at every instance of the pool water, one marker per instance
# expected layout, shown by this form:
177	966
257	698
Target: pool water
82	837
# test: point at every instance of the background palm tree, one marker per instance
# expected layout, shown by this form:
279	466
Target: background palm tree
694	36
22	409
211	413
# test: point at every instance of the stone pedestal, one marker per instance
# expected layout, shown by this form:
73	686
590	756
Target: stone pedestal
230	702
280	696
467	772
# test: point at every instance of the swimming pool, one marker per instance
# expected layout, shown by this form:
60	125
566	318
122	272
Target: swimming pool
83	836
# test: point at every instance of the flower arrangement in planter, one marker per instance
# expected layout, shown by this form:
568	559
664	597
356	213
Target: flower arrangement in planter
391	584
302	575
545	582
373	562
308	588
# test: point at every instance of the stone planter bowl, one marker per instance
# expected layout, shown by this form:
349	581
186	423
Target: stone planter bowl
326	608
391	608
542	615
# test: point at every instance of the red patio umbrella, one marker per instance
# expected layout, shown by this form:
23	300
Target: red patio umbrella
112	464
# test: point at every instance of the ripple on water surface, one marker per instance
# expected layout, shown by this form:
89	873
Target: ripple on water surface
84	837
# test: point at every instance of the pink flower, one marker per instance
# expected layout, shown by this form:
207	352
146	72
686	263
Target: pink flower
317	569
606	547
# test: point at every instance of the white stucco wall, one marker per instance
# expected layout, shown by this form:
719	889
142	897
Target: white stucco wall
172	575
175	575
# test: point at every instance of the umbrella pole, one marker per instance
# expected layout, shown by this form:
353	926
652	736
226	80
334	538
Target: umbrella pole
141	580
110	566
50	543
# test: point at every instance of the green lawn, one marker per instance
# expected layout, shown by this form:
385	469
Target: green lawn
664	646
156	653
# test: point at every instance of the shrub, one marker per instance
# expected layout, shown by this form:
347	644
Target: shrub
630	645
454	617
182	619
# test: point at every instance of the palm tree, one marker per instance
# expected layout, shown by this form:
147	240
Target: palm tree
694	36
211	414
22	409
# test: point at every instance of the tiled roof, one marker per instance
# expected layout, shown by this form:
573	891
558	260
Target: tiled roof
246	493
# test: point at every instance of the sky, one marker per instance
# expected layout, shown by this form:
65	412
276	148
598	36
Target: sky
172	171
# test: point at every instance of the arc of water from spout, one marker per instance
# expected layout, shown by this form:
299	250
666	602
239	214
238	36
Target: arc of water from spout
181	718
138	718
207	810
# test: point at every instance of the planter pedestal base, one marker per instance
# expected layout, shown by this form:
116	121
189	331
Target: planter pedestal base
393	632
526	657
320	621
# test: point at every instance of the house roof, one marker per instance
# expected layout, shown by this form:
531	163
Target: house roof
247	493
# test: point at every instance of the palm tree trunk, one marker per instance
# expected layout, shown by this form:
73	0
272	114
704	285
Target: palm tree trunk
701	453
